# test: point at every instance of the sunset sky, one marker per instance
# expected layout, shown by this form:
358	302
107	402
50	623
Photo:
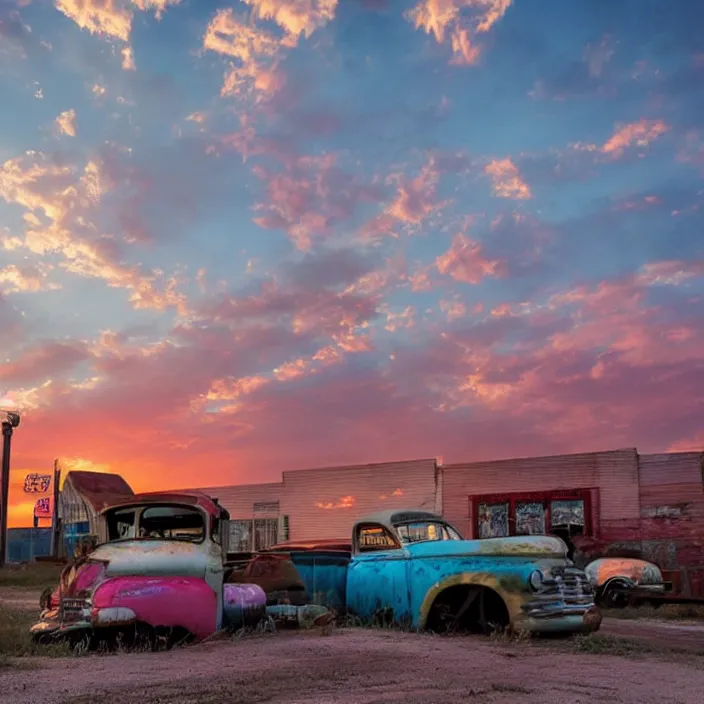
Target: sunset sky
244	237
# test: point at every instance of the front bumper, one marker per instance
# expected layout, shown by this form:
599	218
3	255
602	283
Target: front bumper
542	616
56	624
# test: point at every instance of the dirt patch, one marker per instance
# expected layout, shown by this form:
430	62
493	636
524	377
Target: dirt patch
686	636
357	667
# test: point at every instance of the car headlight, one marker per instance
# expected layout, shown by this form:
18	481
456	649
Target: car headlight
535	580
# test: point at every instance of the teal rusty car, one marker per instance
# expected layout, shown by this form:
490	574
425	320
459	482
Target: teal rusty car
414	568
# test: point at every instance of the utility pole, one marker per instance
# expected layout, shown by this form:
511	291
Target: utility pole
55	517
9	423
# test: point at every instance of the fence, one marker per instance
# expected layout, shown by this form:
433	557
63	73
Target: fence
26	544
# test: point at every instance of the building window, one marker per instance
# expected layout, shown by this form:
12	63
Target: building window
530	517
265	532
492	520
266	507
562	513
240	536
285	530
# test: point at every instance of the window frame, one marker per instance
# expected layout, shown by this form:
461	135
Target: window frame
233	522
544	497
382	548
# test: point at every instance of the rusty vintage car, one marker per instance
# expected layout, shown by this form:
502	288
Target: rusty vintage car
157	574
619	581
413	567
160	573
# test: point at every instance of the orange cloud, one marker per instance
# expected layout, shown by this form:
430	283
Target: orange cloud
459	20
159	6
252	49
415	198
464	261
66	123
16	279
507	180
61	201
639	133
128	63
295	17
111	18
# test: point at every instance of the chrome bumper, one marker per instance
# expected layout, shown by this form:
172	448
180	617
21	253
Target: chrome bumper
74	618
565	603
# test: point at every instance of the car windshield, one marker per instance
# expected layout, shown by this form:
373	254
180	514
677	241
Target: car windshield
423	531
156	523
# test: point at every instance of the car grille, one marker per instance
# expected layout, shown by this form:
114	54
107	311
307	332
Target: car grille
72	609
569	584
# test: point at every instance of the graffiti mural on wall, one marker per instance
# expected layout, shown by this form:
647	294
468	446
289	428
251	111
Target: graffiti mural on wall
530	518
493	520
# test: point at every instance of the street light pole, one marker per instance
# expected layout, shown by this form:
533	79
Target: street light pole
9	423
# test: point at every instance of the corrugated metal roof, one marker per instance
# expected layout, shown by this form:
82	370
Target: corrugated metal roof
98	489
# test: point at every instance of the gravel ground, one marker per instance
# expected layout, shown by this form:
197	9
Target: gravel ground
368	667
357	667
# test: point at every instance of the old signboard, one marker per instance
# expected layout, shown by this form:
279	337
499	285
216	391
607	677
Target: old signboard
37	483
42	509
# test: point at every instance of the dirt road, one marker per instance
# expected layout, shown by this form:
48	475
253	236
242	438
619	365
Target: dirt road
356	667
669	634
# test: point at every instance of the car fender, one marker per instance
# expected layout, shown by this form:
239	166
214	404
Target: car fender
184	602
511	599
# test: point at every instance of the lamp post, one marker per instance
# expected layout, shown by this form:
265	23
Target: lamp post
10	421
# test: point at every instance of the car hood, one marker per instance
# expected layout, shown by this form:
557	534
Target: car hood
151	558
534	546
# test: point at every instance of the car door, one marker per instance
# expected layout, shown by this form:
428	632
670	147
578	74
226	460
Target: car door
377	578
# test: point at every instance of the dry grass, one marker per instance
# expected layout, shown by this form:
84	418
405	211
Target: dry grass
602	644
16	642
667	612
34	575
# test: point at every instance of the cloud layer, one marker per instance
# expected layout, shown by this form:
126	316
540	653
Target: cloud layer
253	236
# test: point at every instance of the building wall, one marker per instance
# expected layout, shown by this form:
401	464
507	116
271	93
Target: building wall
613	477
255	516
325	503
672	516
239	500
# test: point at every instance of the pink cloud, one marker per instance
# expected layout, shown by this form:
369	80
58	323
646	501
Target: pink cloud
46	361
309	197
464	261
507	180
574	372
